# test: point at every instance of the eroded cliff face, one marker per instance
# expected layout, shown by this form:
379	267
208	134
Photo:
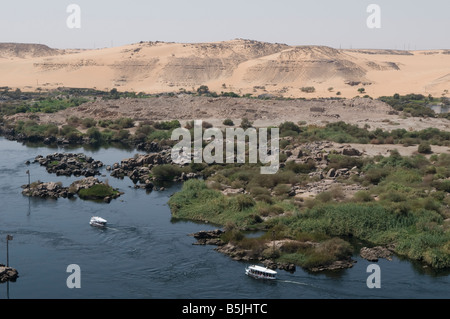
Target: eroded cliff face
26	50
240	66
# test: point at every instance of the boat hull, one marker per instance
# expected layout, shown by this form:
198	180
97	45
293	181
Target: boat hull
98	222
98	225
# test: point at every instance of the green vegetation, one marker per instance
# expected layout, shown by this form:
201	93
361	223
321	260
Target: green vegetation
403	201
424	148
341	132
405	205
97	133
48	105
246	123
55	100
416	105
416	235
228	122
166	172
98	191
167	125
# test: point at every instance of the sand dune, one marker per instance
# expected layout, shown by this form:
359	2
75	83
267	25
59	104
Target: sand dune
241	66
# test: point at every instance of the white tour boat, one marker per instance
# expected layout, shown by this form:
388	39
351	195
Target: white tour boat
98	221
259	272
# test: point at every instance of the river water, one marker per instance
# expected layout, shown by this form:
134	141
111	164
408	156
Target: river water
144	254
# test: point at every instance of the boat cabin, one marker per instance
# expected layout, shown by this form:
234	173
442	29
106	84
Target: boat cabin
259	272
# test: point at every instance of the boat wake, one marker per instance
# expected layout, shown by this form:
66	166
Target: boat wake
294	282
111	228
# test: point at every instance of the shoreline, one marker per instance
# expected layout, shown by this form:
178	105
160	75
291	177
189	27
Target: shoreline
131	165
314	170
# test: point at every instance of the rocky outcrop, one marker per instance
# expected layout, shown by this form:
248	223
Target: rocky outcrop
8	274
374	253
138	169
68	164
212	237
47	190
151	147
237	253
336	265
282	266
208	237
55	190
350	151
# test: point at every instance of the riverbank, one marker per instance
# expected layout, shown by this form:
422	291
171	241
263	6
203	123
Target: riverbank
54	234
317	197
403	198
397	179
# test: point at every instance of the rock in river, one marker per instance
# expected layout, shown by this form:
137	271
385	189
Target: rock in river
68	164
8	273
372	254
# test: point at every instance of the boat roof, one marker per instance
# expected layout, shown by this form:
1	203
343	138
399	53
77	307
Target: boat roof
263	269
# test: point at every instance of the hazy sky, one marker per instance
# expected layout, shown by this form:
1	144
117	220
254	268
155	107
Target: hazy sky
405	24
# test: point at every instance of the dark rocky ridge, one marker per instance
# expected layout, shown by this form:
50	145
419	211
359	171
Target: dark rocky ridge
68	164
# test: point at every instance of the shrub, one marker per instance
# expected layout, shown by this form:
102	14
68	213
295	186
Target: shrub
289	126
245	123
228	122
122	135
338	161
244	201
67	129
125	122
301	168
73	120
206	125
282	189
443	185
94	135
335	247
158	135
97	191
257	190
375	174
203	89
88	122
424	148
167	125
362	196
264	198
105	123
166	172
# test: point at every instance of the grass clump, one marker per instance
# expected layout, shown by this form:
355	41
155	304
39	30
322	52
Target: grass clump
98	191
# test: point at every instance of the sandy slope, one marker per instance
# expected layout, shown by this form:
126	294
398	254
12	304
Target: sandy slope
242	66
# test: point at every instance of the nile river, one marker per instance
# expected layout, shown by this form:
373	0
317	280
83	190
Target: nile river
143	253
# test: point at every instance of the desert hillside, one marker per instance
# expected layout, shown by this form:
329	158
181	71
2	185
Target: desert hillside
241	66
26	51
